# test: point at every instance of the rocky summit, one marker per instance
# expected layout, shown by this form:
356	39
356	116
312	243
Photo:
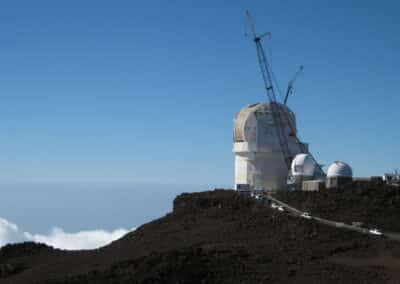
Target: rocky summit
221	237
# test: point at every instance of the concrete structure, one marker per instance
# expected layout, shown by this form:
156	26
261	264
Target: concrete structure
313	185
259	161
371	179
339	173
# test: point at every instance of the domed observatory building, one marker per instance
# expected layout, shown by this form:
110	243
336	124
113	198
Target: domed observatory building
259	160
339	173
306	174
303	167
265	134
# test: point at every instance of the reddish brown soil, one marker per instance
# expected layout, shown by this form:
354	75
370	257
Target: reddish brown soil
215	237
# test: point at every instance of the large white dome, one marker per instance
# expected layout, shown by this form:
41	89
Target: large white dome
259	158
303	165
339	169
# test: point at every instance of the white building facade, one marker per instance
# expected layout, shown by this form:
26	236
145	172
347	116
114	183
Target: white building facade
259	161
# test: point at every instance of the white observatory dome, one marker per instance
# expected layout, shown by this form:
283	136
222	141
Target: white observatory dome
303	165
339	169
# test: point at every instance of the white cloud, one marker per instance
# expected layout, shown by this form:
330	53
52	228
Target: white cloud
10	233
80	240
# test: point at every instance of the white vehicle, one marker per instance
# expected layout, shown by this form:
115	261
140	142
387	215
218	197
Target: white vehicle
375	232
305	215
278	207
258	196
274	205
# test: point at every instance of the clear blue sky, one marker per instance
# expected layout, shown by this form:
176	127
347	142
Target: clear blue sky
146	91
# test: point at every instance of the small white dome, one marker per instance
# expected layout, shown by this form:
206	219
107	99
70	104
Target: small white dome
339	169
303	165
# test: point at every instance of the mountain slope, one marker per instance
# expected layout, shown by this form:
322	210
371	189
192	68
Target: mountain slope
215	237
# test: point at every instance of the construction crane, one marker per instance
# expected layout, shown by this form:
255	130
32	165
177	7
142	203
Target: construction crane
279	115
289	90
275	106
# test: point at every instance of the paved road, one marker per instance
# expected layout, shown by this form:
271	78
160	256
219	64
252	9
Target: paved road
340	225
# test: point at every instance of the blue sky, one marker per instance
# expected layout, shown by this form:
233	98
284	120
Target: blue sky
145	92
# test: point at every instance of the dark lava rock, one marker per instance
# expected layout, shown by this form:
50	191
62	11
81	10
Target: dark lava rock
219	237
373	204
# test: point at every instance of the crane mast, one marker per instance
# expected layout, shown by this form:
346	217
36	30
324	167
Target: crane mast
269	87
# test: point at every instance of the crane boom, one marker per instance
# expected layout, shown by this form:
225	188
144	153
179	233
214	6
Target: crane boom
279	115
290	84
269	87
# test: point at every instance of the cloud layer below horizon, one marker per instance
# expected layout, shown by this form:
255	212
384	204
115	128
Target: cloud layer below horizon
58	238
